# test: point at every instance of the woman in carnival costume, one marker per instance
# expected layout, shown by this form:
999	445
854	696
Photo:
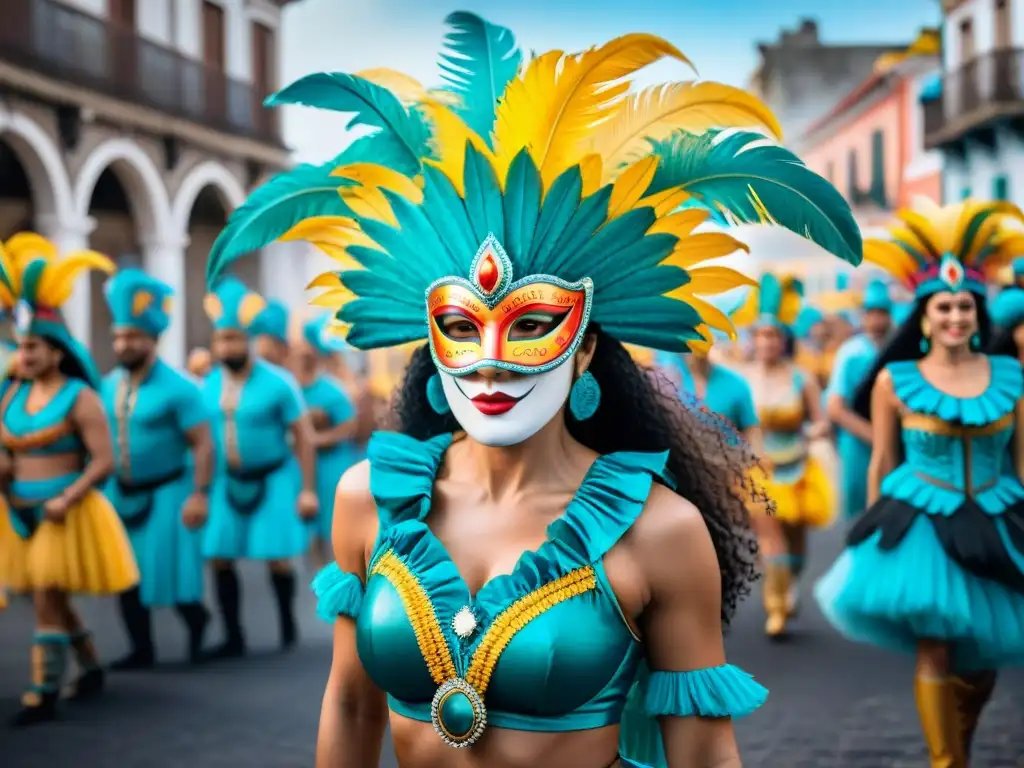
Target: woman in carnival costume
935	565
61	537
529	252
334	421
853	362
270	333
163	466
789	408
263	487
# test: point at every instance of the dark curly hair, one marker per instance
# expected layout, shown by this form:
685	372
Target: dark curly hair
638	412
905	344
1004	343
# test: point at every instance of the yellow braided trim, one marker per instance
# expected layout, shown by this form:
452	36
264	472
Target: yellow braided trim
419	609
518	615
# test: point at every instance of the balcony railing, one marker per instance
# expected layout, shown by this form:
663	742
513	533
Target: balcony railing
97	54
985	89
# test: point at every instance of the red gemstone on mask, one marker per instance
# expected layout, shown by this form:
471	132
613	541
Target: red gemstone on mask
488	273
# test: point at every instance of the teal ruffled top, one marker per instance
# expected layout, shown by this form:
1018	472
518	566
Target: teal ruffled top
970	456
546	647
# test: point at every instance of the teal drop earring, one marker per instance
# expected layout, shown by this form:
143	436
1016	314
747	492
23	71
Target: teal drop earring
584	397
976	342
926	336
436	397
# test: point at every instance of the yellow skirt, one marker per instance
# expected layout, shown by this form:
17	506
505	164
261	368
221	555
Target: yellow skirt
88	554
808	501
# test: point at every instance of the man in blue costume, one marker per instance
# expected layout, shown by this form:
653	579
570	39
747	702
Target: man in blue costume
263	489
270	332
854	359
157	418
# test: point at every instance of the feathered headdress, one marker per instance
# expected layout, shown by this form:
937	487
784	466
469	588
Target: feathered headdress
956	247
876	297
36	281
776	301
138	300
272	321
231	306
806	319
547	190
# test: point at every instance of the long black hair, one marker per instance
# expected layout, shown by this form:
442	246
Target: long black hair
905	344
640	413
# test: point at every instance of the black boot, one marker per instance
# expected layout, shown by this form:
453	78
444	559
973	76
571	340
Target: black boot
139	627
49	661
92	680
229	598
284	590
196	619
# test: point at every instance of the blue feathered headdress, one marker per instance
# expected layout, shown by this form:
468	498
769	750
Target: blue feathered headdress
876	297
555	171
776	301
231	306
138	300
271	321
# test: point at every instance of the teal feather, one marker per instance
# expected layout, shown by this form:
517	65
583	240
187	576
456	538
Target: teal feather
421	245
30	277
380	323
483	196
377	285
769	297
970	234
560	204
384	266
654	281
273	209
479	60
446	212
922	260
726	170
523	193
371	105
592	213
617	243
381	148
7	279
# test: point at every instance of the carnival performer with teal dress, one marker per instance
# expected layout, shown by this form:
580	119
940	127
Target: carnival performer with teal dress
541	488
935	566
61	536
163	466
789	405
854	360
270	332
333	418
265	465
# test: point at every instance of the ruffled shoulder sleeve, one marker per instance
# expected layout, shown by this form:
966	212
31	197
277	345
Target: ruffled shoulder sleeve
338	593
998	399
402	472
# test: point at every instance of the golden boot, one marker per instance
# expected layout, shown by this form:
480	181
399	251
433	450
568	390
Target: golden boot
971	694
940	721
776	598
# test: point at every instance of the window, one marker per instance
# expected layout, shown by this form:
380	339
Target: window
1000	188
852	189
878	168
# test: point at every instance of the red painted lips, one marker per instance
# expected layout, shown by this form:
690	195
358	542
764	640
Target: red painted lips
494	403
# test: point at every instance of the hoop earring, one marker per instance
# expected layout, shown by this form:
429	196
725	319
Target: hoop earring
926	333
436	397
584	397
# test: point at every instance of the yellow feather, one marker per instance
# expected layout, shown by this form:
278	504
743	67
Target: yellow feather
332	298
658	111
702	247
709	313
333	235
790	304
213	307
369	203
666	201
749	311
58	279
141	302
450	137
11	269
406	89
681	223
890	257
380	177
700	347
631	186
250	306
325	280
710	281
7	300
591	170
559	99
26	246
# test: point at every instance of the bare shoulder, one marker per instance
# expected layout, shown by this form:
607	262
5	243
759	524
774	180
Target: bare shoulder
87	403
671	543
883	386
355	518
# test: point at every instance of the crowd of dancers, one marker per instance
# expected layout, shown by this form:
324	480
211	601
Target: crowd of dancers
541	486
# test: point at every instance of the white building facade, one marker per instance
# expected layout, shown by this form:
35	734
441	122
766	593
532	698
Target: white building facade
133	127
974	113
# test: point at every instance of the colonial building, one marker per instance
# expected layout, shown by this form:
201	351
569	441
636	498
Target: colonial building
974	112
870	145
133	127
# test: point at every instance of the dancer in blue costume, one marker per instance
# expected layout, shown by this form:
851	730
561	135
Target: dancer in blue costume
334	422
270	333
853	362
1007	313
60	537
163	466
935	566
263	489
527	502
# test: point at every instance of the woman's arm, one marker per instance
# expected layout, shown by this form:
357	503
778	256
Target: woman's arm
354	711
682	624
90	422
819	424
885	435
